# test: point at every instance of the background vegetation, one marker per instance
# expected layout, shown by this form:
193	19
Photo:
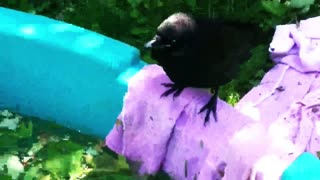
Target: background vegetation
134	22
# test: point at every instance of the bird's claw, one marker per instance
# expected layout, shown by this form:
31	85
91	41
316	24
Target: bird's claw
173	88
211	106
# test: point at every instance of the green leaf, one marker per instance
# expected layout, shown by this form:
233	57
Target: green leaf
96	27
142	20
12	2
15	168
43	6
233	98
24	130
5	177
62	159
122	163
134	3
259	73
146	4
274	7
139	31
301	3
9	123
159	3
191	3
305	9
3	161
33	172
106	162
134	13
35	148
8	142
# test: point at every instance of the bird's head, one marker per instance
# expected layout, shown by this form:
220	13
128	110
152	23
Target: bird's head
172	37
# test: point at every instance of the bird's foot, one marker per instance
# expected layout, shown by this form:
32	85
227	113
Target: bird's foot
211	106
172	88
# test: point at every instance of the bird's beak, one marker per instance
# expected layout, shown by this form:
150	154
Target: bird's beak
149	44
156	43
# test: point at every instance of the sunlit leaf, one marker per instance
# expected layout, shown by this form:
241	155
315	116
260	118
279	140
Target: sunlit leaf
14	167
35	172
274	7
35	148
122	164
25	130
9	123
301	3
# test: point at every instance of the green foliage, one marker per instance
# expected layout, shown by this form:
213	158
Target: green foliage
305	4
62	159
4	177
7	143
275	8
40	149
250	75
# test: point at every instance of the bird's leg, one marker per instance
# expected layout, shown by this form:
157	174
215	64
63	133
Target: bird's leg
211	106
172	88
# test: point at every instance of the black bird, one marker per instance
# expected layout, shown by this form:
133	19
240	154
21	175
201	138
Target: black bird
202	52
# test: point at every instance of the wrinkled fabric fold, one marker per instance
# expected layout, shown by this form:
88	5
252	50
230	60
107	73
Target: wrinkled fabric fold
282	104
170	133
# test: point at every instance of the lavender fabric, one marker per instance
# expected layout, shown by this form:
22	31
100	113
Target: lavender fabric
169	132
271	125
299	47
285	105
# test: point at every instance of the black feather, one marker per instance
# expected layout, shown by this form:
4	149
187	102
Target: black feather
202	52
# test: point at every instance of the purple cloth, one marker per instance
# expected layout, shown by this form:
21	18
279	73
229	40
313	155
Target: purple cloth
285	104
270	126
161	131
298	47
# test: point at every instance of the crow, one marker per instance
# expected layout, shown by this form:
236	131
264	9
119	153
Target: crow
202	52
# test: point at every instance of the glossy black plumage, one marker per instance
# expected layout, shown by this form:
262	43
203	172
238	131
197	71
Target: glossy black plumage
201	52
